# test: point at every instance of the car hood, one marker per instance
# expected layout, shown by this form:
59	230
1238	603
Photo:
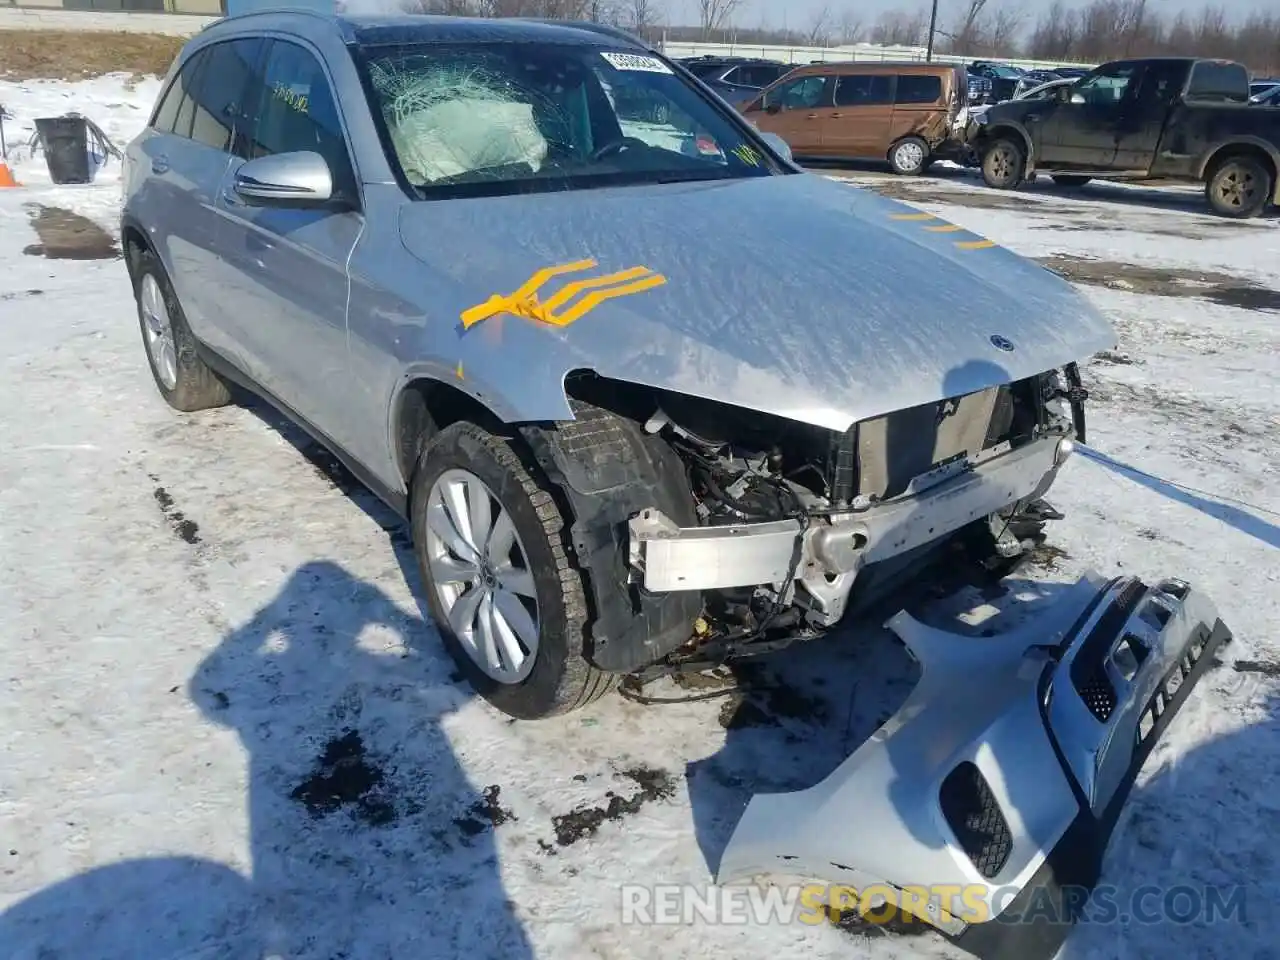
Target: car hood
794	295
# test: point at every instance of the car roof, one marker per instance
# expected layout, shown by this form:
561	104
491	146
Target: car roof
426	28
873	66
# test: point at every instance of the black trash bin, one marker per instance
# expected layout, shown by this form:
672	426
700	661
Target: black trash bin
65	142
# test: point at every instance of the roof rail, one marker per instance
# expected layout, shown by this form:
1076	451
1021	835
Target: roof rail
617	33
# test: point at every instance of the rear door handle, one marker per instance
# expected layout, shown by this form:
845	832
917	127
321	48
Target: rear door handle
812	116
159	164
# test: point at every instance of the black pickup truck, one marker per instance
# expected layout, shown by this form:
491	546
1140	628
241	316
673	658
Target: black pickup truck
1167	118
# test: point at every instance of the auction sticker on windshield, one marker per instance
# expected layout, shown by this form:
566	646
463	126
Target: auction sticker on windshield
636	61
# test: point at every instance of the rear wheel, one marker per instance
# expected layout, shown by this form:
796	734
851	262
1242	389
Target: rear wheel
1004	164
908	157
1239	187
508	601
182	378
1070	180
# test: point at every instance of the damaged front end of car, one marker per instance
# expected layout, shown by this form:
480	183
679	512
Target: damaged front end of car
985	804
802	522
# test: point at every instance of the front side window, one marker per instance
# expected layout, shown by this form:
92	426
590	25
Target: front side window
804	93
919	89
864	90
295	110
481	118
1105	89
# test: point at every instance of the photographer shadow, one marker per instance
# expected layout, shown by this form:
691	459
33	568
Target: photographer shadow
367	837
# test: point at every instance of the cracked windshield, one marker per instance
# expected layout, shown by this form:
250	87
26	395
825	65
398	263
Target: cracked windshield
509	118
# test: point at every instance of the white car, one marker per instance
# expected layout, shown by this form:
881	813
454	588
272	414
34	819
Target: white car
1039	92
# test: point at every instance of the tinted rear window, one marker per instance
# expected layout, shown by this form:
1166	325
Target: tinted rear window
704	69
864	90
1215	80
919	89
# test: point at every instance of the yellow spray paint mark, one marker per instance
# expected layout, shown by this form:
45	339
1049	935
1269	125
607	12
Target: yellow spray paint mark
975	244
912	216
524	301
459	371
747	155
945	228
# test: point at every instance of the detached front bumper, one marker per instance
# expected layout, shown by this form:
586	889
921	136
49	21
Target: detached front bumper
985	804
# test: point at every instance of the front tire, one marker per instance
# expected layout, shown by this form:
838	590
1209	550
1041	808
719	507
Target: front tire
505	595
909	157
1004	164
1240	187
182	378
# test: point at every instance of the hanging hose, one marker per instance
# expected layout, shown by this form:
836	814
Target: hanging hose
96	135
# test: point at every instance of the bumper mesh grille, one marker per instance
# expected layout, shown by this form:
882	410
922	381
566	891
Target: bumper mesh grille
971	810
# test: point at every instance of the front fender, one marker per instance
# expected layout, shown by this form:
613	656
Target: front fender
995	129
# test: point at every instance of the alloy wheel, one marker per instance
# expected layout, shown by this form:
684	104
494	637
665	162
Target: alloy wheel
481	575
158	331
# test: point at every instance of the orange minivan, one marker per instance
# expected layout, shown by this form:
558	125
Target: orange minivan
909	114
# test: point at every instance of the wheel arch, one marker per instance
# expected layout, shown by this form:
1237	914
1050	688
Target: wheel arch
1246	146
423	406
133	240
1008	130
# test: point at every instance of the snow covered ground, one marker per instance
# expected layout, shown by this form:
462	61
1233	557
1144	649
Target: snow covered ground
226	729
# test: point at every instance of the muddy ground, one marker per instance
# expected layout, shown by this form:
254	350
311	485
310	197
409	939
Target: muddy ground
75	55
1210	285
68	236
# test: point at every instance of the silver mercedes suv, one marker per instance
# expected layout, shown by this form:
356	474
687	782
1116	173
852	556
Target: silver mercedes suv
457	252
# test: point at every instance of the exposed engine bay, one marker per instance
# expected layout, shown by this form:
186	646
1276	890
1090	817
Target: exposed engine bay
795	523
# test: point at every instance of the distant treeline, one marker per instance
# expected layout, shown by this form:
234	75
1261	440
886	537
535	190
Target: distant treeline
1088	32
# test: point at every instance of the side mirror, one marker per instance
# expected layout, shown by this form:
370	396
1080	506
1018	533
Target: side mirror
778	145
773	108
285	179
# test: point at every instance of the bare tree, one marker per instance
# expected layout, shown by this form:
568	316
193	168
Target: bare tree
716	14
819	32
1003	30
895	28
850	30
965	37
643	16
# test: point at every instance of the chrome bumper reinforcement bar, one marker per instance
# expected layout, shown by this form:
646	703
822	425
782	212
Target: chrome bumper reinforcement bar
1002	777
669	557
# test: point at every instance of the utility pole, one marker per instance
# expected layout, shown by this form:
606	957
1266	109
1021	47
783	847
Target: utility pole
933	25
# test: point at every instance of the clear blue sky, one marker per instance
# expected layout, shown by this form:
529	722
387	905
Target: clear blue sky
799	13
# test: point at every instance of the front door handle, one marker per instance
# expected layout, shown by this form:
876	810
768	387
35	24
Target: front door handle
836	116
160	164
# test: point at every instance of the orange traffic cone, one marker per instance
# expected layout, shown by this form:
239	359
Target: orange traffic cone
6	176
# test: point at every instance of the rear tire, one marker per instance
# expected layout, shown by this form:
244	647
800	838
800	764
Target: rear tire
182	378
1239	187
909	157
1070	180
535	573
1004	164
